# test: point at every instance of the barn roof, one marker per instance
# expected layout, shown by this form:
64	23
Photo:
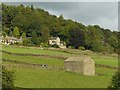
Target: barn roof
81	58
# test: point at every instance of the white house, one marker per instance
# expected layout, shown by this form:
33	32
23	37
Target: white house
56	40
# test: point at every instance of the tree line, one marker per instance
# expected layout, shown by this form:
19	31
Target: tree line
36	26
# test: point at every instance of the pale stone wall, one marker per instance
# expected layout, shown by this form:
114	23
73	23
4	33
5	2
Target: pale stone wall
10	40
82	65
55	41
74	66
58	41
89	67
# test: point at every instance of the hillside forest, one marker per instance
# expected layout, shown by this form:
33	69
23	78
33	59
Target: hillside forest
36	26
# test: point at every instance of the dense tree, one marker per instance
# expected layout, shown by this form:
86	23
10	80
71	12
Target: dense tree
6	30
34	24
113	41
16	32
34	38
93	38
26	42
23	35
29	19
106	33
21	22
61	20
76	38
4	34
45	35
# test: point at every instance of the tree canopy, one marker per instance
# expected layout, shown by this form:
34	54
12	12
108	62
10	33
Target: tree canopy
16	32
42	25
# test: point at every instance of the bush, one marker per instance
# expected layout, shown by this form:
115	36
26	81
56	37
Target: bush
71	47
26	42
7	79
44	45
115	82
17	43
82	48
106	48
55	46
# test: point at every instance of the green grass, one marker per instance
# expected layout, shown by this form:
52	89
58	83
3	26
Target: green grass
106	60
30	77
99	59
34	60
33	51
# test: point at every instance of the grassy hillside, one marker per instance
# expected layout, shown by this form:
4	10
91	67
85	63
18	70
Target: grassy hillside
29	75
98	58
34	77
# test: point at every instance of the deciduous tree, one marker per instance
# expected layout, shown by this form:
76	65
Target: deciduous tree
16	32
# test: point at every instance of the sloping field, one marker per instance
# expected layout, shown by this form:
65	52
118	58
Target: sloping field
30	73
28	76
57	54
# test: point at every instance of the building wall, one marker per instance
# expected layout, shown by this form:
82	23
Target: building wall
84	66
74	66
56	41
10	40
89	68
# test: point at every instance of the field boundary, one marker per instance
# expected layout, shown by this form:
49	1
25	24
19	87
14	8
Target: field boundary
105	66
42	55
45	66
20	62
46	56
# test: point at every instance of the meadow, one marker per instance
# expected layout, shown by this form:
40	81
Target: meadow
54	76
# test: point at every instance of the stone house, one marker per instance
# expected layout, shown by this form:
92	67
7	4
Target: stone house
9	40
56	40
82	65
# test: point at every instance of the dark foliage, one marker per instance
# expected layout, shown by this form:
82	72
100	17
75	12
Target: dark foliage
115	82
7	79
44	25
55	46
76	38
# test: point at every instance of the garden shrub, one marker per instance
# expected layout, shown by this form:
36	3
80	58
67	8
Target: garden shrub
55	46
82	48
26	42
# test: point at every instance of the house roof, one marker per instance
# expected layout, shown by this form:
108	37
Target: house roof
53	38
9	38
82	58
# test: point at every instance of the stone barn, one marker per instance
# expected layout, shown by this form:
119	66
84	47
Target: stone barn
83	65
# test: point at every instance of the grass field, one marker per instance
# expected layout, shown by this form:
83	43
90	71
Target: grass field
33	77
29	76
33	51
106	60
34	60
99	59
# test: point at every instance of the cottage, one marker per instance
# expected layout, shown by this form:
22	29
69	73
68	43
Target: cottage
10	40
83	65
56	40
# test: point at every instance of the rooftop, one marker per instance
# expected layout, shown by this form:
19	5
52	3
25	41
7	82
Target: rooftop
82	58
